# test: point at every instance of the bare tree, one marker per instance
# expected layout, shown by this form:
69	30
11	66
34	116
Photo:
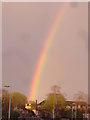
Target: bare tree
55	89
81	96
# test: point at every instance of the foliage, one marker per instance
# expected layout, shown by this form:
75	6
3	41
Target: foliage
18	100
54	99
79	114
14	114
31	113
68	113
5	102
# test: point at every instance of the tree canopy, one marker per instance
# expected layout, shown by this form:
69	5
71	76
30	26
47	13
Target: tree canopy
54	99
18	100
5	102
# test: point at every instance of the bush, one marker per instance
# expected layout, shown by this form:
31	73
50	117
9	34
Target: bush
14	114
31	113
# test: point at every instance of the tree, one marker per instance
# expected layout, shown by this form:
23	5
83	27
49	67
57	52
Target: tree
18	100
54	99
80	96
5	103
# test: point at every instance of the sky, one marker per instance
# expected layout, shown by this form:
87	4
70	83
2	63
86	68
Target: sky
24	29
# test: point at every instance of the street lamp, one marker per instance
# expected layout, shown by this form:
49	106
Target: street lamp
74	112
9	103
54	106
53	110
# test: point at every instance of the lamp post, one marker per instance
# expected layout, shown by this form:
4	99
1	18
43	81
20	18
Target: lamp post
72	113
9	103
53	110
54	106
75	112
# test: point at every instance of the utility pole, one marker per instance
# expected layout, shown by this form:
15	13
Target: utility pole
53	110
75	112
72	113
36	108
9	110
54	106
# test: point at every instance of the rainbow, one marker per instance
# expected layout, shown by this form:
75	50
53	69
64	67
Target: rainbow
48	41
